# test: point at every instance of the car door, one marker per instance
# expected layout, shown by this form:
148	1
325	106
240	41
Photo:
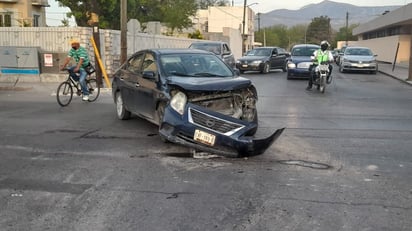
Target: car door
274	62
227	55
146	86
278	58
128	79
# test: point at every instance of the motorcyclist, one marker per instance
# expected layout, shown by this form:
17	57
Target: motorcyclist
320	56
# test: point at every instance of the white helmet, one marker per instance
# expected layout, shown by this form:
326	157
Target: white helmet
324	45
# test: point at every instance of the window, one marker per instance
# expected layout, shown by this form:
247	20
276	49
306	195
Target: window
135	64
36	19
149	63
5	20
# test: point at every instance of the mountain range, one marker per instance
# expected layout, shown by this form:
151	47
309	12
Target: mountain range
334	10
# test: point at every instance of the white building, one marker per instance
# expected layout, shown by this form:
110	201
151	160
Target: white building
389	35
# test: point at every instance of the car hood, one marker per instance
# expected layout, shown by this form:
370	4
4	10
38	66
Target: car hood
359	57
299	59
251	58
209	83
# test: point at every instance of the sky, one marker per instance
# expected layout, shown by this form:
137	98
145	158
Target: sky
54	13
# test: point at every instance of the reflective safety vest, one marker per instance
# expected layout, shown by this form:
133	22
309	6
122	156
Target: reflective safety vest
321	56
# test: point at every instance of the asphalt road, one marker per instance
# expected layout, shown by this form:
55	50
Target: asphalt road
344	162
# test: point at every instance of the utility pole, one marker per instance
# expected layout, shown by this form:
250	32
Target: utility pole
410	61
243	28
123	31
258	14
347	34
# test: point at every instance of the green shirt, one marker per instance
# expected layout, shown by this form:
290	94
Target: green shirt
78	54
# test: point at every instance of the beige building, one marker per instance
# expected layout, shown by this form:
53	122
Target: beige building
23	13
222	19
389	35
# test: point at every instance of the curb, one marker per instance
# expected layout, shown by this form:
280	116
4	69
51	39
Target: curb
397	78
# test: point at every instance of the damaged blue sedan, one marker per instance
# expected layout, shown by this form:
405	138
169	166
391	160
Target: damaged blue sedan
194	97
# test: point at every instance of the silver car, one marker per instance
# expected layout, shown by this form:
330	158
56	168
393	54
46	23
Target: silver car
358	59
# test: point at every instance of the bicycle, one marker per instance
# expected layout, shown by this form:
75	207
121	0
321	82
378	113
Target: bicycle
65	89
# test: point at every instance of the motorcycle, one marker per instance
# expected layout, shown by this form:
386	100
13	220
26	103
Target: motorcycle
321	76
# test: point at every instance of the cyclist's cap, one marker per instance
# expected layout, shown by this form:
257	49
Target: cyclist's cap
74	41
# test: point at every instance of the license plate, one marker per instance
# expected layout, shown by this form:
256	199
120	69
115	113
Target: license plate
244	65
204	137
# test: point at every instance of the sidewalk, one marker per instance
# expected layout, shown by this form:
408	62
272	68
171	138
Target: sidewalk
399	72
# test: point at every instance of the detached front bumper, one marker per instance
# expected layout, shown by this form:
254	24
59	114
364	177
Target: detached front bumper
209	131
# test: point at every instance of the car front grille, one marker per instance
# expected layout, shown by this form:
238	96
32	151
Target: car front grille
213	123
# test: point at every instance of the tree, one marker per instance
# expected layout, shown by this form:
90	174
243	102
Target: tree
275	36
344	34
319	29
204	4
65	22
177	13
174	13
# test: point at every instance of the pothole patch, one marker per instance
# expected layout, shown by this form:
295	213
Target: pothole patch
306	164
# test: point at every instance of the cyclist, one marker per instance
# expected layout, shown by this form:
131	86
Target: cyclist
81	57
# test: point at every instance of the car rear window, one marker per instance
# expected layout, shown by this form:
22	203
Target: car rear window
303	51
215	48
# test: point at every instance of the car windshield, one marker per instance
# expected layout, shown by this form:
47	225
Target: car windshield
194	65
358	51
259	52
215	48
303	51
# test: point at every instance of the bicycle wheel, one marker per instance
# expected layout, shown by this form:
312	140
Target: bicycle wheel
64	94
94	89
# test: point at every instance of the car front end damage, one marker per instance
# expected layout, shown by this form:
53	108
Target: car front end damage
219	122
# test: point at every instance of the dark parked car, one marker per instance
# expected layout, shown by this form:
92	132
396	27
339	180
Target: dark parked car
194	97
221	49
300	60
263	59
358	59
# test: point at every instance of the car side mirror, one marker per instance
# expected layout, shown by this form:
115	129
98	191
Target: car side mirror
237	72
150	75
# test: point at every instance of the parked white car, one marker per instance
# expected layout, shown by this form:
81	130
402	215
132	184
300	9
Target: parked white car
358	59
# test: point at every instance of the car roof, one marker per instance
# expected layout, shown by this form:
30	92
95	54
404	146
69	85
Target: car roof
208	42
305	45
265	47
177	50
357	48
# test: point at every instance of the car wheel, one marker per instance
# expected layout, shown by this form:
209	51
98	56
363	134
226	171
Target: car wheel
288	76
160	114
122	112
266	68
341	69
285	68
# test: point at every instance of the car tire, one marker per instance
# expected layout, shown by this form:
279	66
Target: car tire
288	77
341	69
122	112
160	114
285	67
266	68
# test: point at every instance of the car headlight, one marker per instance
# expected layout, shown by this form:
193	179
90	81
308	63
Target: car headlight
237	61
178	102
291	65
